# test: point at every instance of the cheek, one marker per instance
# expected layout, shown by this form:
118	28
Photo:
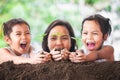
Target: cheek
67	44
83	39
99	40
50	44
29	39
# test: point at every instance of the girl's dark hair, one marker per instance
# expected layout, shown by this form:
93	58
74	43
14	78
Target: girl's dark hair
7	26
51	26
104	23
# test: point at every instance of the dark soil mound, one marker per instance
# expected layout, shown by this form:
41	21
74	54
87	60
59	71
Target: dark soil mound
61	71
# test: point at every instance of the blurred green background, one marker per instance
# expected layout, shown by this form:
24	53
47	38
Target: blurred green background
40	13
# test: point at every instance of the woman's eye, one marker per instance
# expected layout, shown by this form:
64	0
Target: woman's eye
53	38
65	38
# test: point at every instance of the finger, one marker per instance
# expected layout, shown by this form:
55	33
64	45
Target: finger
65	53
42	56
40	52
55	52
65	50
72	55
52	50
58	59
56	56
46	52
81	51
81	58
80	54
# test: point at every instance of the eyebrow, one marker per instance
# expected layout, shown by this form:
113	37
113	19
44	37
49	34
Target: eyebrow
65	35
92	31
20	31
53	35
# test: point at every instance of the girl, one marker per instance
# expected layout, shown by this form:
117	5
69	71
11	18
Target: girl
17	36
95	30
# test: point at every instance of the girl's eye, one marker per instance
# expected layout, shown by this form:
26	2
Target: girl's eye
28	33
84	33
95	33
18	34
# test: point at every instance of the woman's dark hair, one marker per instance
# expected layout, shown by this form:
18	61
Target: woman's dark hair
51	26
7	26
104	23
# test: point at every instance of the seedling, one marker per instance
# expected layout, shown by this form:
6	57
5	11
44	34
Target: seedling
57	34
41	37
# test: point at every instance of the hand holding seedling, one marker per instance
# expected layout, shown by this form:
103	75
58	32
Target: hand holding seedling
65	54
45	56
40	57
77	56
59	54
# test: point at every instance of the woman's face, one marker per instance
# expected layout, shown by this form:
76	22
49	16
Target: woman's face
92	36
59	38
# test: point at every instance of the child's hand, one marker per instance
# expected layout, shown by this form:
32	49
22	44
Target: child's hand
40	57
77	56
72	57
48	57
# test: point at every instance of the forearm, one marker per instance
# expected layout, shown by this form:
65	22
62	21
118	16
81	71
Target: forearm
4	57
20	60
92	56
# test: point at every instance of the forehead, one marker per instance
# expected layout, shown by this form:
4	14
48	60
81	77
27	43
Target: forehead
19	27
91	25
59	29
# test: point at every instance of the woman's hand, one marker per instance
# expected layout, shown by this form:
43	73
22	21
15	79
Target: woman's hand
56	55
65	54
60	54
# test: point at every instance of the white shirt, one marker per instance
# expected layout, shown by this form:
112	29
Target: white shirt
26	55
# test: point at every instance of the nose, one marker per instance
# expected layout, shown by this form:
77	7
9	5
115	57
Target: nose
59	43
89	36
23	36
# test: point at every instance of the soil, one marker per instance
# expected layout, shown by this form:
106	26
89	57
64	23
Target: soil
61	71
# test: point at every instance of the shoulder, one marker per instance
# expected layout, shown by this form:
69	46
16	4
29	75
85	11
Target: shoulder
3	50
108	48
4	53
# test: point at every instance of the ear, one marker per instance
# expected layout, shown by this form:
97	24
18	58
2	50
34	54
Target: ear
7	39
105	36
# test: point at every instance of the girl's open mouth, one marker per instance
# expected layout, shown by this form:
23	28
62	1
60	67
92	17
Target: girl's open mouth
90	46
23	45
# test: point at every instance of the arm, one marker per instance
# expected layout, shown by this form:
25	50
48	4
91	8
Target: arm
5	56
107	52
